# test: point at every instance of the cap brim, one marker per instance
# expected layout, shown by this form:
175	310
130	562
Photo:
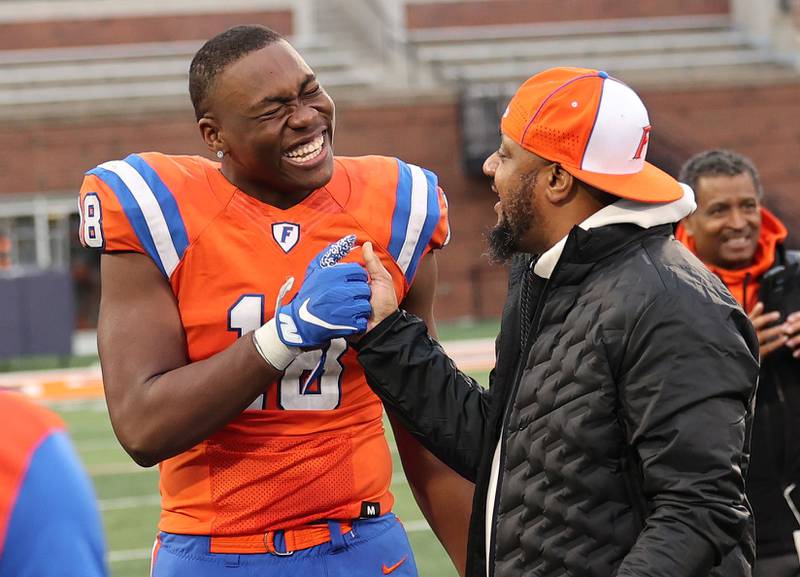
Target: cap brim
650	185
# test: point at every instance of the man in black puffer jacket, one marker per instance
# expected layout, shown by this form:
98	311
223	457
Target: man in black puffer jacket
613	438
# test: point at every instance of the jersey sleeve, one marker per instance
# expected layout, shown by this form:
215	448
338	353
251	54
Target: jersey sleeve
419	221
125	206
104	225
401	206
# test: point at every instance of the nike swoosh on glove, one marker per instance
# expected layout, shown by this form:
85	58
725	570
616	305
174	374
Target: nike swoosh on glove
333	301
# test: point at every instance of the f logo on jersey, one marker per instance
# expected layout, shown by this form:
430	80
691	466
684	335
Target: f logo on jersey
286	234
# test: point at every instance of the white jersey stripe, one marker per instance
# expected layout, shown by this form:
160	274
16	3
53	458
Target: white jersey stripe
151	210
447	206
416	218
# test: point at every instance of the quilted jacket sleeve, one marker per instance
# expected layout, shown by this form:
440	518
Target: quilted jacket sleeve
446	410
686	387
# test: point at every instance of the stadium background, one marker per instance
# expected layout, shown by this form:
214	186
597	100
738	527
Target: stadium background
84	81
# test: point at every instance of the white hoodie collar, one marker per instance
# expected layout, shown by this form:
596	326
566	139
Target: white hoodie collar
643	214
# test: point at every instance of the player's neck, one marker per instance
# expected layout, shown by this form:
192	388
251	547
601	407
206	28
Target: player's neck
281	200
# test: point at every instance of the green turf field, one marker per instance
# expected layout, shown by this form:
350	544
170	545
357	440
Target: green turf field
128	496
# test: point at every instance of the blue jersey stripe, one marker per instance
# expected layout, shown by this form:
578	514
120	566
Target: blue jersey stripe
431	220
166	200
402	210
132	211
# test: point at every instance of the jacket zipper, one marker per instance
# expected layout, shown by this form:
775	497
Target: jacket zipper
634	497
533	330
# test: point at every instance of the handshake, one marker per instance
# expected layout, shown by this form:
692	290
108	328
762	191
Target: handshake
333	302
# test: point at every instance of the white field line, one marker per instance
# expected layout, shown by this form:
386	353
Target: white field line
75	405
122	503
415	526
103	469
122	555
97	444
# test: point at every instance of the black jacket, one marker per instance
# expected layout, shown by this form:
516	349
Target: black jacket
776	428
624	428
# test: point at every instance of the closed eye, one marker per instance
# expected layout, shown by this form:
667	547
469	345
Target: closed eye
313	90
271	113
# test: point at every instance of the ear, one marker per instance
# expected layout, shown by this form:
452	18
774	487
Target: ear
560	183
210	131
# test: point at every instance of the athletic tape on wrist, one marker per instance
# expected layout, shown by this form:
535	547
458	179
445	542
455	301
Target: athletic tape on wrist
269	345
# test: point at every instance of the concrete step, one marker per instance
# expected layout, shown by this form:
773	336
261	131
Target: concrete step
139	50
461	34
634	44
524	67
130	69
132	89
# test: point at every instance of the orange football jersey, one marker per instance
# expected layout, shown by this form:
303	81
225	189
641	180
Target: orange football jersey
306	449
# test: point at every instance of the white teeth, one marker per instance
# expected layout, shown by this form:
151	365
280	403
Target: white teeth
307	151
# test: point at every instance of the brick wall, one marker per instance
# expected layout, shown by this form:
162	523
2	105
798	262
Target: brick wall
758	122
119	30
489	12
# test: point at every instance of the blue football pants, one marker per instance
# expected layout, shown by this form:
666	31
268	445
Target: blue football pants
374	547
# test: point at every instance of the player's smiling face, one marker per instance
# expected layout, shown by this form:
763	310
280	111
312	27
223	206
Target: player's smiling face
276	121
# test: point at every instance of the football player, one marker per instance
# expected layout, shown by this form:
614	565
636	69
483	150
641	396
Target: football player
237	381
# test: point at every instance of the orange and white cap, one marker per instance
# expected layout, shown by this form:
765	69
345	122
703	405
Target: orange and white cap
594	126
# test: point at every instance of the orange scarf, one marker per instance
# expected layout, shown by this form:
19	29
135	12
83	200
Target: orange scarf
744	282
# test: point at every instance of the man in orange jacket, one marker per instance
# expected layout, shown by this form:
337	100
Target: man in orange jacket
742	242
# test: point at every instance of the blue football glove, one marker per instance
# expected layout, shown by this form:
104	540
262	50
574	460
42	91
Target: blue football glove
333	302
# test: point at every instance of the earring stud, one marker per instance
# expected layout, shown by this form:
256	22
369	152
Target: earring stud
220	154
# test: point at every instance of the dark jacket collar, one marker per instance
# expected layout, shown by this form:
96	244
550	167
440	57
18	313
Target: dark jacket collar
584	249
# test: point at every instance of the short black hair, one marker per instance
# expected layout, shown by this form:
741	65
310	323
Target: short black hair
718	162
219	52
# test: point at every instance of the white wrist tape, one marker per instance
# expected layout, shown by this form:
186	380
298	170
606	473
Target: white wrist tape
271	347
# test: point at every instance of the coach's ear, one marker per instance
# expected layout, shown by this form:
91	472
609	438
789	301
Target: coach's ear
560	183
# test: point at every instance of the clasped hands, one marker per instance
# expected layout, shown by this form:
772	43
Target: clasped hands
336	299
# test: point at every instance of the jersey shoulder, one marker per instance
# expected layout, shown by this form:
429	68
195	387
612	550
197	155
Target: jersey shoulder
44	511
151	203
27	425
400	205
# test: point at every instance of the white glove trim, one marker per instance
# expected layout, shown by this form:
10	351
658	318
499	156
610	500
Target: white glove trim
268	344
271	348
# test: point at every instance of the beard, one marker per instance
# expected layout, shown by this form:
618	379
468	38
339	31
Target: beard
504	238
502	242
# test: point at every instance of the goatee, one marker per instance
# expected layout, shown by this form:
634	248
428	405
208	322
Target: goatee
501	241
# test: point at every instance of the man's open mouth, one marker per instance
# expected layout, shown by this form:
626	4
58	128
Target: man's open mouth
307	152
